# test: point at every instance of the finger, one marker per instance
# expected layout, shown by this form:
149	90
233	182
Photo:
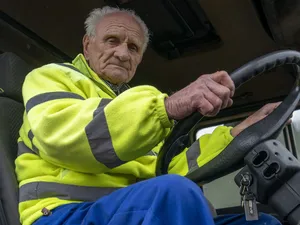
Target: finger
230	102
275	105
205	107
221	91
290	120
269	108
224	79
215	101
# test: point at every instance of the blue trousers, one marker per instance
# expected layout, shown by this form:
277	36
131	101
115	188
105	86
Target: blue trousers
169	199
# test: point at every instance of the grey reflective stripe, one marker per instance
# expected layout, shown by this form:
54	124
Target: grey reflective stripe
99	138
69	66
31	136
22	148
192	154
45	97
152	153
40	190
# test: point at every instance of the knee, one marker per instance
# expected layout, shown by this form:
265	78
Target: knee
176	183
178	189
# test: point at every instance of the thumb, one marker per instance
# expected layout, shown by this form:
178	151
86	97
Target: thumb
223	78
218	76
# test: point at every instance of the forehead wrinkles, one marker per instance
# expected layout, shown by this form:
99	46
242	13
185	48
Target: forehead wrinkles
113	25
132	34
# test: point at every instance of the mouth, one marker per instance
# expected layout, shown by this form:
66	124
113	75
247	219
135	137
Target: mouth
118	66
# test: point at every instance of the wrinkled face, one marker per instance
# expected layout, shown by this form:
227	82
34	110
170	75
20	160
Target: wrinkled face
116	49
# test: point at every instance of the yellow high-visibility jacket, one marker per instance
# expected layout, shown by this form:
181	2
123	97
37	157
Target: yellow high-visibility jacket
80	141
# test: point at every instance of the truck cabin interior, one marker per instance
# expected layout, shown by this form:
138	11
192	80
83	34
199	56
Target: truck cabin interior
188	38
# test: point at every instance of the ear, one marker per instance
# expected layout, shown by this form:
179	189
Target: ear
85	43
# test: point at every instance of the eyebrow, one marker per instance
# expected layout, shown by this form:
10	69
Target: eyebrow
131	40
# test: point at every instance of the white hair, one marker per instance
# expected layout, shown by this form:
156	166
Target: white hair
96	15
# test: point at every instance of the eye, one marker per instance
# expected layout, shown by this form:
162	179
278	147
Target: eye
112	40
133	47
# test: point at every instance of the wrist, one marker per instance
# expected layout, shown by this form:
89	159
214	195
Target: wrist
166	121
235	131
169	108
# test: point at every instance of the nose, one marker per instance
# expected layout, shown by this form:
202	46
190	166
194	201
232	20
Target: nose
122	52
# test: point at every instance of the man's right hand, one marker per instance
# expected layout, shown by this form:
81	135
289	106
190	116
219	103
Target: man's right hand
208	95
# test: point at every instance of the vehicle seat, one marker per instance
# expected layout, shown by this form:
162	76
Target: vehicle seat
12	73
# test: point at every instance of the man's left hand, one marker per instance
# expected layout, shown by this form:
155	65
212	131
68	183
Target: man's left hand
255	117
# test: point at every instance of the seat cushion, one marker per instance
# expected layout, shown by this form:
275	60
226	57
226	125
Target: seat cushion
12	74
10	122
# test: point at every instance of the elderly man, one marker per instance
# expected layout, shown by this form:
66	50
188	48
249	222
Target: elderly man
88	144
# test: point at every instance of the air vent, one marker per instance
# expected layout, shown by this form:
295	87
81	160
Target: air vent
178	27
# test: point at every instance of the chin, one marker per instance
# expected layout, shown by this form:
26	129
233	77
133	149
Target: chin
118	78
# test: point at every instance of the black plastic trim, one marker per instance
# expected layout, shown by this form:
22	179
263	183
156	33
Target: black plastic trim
3	220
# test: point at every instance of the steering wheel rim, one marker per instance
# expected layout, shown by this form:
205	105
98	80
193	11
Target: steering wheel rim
265	129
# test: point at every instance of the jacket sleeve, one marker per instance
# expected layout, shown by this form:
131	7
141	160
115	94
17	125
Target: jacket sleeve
206	148
72	127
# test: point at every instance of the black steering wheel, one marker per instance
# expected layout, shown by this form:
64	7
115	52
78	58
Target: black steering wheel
231	158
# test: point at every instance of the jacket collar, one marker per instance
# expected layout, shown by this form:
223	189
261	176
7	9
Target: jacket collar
81	64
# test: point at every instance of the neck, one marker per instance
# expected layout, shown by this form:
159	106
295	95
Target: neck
117	88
